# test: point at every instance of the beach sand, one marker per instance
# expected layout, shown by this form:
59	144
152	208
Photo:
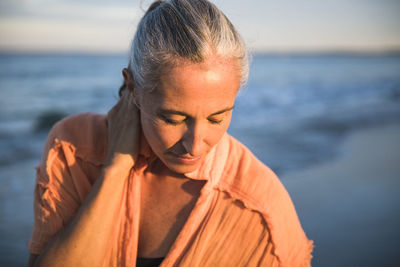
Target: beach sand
350	206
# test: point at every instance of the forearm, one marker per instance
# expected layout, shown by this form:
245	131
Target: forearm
84	241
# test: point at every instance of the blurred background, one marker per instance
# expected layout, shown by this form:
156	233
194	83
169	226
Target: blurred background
321	108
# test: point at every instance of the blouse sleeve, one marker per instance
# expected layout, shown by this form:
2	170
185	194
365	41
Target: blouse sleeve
61	186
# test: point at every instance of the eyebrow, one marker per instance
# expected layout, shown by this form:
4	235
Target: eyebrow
177	112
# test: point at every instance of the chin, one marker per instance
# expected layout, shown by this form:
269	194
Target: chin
181	168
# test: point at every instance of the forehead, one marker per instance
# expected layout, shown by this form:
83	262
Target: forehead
198	87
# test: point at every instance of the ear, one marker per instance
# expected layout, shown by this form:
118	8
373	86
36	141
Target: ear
129	84
128	80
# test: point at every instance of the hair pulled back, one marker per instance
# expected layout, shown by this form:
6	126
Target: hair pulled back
172	30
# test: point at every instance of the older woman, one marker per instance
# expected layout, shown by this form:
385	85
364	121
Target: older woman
158	180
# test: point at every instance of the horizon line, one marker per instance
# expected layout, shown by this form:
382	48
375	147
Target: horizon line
255	52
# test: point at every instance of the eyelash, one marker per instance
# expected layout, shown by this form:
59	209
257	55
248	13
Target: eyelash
215	121
174	123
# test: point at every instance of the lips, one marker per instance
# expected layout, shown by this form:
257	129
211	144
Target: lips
183	159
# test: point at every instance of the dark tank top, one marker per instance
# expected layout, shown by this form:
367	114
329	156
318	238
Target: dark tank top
148	262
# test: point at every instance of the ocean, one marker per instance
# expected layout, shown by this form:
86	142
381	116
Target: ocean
293	113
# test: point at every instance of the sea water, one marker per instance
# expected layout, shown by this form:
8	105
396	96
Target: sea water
293	112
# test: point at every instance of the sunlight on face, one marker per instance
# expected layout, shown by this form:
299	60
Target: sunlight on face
186	116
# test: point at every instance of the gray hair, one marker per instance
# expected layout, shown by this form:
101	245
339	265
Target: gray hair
192	30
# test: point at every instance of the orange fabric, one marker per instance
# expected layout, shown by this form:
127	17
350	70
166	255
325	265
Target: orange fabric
243	216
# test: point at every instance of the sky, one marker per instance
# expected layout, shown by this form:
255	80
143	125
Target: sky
266	25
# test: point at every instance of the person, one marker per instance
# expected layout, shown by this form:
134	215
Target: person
158	181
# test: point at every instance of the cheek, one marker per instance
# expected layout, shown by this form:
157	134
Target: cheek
216	134
160	137
151	131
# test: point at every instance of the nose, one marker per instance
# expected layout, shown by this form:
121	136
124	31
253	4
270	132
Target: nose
193	140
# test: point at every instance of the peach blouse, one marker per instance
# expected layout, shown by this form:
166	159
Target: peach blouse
243	216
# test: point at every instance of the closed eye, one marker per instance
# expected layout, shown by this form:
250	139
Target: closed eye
171	121
173	117
218	118
177	122
215	121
